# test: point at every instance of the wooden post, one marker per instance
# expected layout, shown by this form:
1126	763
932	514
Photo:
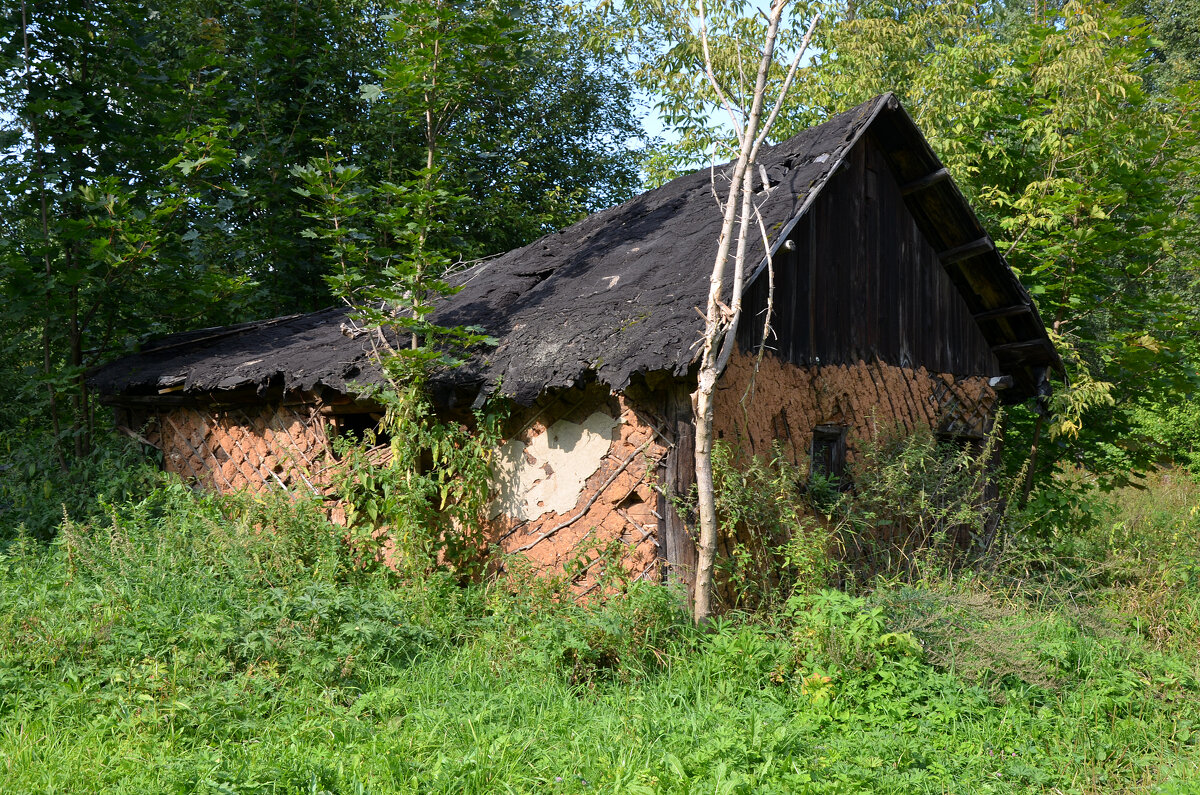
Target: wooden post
678	547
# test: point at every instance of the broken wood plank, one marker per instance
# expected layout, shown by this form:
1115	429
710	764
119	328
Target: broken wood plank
132	434
679	548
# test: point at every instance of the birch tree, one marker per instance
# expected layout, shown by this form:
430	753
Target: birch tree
721	318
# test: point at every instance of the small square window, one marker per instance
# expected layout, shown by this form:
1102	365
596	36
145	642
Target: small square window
358	428
829	451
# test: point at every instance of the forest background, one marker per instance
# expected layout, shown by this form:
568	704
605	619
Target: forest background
185	163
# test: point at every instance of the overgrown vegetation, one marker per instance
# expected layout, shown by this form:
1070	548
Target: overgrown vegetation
179	641
772	542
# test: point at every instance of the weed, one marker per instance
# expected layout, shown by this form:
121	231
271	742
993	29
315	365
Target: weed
918	504
772	544
189	642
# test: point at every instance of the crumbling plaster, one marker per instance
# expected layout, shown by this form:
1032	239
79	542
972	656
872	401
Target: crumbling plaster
592	463
547	473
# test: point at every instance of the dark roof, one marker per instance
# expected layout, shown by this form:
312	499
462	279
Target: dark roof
297	352
617	293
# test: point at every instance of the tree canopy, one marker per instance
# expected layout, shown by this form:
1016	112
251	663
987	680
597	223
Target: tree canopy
150	175
149	183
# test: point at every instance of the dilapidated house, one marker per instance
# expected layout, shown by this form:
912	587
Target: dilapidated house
892	306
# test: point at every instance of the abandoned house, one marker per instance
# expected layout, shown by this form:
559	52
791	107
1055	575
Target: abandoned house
891	303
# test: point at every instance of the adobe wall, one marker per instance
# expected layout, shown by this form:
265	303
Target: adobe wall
785	402
578	480
257	448
577	488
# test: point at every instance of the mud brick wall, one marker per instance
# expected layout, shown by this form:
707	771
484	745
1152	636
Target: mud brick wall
575	482
787	403
578	479
258	448
577	487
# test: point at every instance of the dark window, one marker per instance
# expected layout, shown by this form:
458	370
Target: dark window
972	443
355	427
829	451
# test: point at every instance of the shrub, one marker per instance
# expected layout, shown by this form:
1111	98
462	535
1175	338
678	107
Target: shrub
419	504
917	501
772	543
35	494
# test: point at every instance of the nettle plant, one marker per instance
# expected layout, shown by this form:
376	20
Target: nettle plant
773	545
918	500
417	505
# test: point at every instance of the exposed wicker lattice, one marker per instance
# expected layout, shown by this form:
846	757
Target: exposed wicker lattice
276	447
966	406
259	448
613	528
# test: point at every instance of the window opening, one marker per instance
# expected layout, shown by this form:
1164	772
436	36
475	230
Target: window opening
829	452
355	427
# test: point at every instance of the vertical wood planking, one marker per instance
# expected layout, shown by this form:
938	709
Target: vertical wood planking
864	283
678	547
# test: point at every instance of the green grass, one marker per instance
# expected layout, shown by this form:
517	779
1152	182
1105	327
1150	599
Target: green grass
195	644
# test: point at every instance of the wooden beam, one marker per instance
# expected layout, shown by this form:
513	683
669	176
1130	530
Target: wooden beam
966	251
676	544
1004	311
929	180
146	400
366	407
1020	347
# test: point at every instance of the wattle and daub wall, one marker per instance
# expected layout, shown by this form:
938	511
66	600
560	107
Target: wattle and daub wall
584	481
255	447
870	335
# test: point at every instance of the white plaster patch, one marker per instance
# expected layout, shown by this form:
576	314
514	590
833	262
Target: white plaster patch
548	473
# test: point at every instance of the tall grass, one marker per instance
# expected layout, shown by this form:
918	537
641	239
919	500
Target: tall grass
188	643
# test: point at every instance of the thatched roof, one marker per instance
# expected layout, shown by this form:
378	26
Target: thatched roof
615	294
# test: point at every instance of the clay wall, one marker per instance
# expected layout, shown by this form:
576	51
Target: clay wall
787	403
578	489
257	448
576	481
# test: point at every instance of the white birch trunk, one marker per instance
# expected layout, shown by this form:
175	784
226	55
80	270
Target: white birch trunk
721	322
